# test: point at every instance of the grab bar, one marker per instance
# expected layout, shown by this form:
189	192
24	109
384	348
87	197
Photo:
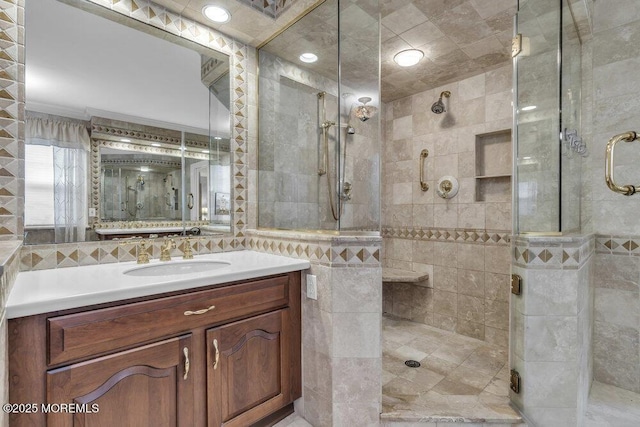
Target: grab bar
423	184
627	190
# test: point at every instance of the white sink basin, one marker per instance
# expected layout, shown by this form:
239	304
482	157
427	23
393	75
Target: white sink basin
177	267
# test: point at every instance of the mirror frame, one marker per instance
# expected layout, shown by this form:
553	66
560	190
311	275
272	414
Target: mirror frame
96	222
158	21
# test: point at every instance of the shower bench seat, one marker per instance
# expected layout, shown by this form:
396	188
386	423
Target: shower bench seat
395	275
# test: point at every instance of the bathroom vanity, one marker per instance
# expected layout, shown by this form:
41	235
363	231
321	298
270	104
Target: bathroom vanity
222	352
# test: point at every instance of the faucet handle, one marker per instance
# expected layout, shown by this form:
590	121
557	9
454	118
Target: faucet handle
165	249
187	251
143	254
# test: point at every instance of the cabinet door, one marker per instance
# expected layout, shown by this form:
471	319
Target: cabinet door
247	369
145	386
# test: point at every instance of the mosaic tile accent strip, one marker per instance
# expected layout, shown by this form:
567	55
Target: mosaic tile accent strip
561	253
9	273
11	118
41	257
618	245
340	251
449	235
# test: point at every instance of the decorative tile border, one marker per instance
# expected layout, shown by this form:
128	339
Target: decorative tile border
474	236
9	273
562	253
41	257
618	245
11	118
329	250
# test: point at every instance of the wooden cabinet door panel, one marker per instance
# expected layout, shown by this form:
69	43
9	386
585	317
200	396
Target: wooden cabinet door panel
247	369
145	386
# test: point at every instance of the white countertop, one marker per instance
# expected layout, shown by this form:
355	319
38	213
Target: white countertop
36	292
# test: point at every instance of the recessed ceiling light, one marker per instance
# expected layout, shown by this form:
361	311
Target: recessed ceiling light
155	144
529	108
408	57
125	140
216	14
217	138
308	57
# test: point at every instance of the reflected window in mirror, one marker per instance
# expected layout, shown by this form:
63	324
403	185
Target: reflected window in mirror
126	83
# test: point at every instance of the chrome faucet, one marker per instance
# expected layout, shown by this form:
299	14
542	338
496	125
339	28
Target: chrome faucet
165	249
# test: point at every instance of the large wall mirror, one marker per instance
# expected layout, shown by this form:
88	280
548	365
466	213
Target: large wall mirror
127	128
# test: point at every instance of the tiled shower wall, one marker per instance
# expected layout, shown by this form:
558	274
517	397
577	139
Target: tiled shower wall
466	252
614	55
292	194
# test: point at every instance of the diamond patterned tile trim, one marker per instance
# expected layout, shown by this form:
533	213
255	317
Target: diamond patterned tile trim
554	253
450	235
12	107
331	253
617	245
38	257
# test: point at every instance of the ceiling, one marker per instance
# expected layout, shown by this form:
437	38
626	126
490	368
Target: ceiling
459	38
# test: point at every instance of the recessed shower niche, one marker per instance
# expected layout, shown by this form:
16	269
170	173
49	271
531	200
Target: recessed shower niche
493	166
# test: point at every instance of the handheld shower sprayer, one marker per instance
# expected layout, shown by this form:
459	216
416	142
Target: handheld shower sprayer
438	106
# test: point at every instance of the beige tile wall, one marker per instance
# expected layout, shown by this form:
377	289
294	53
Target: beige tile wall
469	278
616	312
552	328
612	58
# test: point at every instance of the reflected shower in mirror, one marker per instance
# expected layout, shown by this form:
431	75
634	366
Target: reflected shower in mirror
162	98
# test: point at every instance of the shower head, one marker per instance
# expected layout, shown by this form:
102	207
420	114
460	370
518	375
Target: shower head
438	106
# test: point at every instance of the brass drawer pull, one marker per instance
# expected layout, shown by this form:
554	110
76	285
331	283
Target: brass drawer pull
217	359
186	362
203	311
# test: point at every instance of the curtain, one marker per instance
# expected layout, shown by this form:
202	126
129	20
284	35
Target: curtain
71	143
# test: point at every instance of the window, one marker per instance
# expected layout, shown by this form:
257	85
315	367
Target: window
38	186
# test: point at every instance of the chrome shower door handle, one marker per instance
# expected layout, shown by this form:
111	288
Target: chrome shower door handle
423	183
629	189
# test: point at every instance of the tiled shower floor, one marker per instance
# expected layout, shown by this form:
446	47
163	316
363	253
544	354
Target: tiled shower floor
459	378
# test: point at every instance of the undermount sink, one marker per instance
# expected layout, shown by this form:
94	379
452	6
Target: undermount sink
178	267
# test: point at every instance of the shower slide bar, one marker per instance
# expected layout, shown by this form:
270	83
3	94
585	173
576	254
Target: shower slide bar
423	183
629	189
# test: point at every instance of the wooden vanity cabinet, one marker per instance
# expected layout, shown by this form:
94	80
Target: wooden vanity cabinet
147	362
